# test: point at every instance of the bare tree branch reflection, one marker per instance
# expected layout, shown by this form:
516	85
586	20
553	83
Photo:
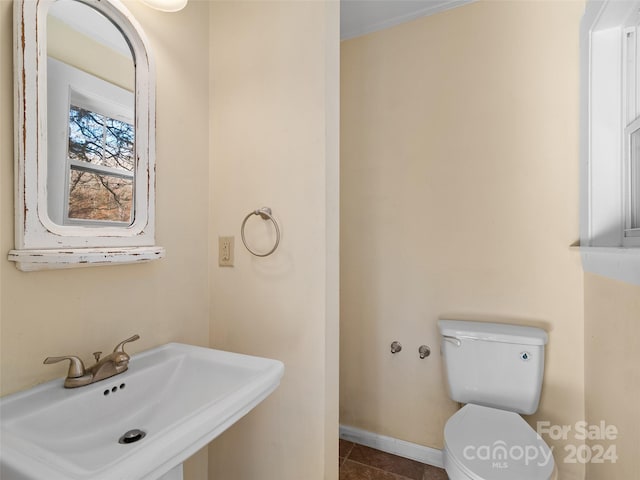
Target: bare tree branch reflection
100	197
99	140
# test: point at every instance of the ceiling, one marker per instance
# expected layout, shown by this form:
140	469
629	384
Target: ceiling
90	23
358	17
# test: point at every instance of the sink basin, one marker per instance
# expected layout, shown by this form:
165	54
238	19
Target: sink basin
180	396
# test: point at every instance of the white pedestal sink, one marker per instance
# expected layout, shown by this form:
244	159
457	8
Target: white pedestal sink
180	396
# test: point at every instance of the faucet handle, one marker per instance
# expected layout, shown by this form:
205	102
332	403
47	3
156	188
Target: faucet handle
120	346
76	367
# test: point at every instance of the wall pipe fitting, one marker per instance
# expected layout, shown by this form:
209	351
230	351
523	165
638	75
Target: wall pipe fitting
424	351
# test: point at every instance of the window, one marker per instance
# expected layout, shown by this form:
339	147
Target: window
631	104
632	217
610	139
100	158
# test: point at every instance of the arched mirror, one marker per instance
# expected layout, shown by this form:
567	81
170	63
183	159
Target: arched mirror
90	118
84	136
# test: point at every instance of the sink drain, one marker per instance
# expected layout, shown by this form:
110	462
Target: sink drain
132	436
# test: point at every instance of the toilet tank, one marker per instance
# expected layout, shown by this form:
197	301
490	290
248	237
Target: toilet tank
493	364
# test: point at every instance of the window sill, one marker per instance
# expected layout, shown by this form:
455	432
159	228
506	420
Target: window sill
31	260
614	262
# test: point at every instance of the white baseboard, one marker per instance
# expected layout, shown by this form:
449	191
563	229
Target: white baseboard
428	455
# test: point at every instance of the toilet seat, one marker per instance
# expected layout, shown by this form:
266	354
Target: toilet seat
484	443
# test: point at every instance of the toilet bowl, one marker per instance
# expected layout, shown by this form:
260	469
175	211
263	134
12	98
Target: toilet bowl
484	443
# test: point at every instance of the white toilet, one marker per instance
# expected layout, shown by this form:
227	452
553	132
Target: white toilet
497	370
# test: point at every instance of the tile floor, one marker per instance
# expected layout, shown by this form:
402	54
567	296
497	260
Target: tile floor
358	462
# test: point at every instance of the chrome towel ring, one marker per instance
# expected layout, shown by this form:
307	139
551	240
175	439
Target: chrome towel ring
265	213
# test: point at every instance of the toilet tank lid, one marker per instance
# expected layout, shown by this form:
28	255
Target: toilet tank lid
493	332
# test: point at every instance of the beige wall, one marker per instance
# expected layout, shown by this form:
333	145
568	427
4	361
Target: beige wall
459	187
612	377
274	80
67	311
83	52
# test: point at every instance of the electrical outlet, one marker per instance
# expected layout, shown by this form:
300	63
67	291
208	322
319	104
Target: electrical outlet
225	251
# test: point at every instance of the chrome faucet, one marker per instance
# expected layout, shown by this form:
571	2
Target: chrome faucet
113	364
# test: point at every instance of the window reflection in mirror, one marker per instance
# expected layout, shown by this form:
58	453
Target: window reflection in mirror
101	163
91	136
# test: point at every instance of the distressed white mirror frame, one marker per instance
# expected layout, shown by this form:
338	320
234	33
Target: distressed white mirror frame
41	243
